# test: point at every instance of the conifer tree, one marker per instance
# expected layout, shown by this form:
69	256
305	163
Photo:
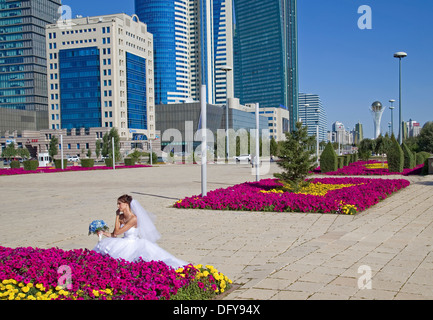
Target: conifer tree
297	157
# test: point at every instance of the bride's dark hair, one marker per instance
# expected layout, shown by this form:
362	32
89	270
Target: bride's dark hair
125	199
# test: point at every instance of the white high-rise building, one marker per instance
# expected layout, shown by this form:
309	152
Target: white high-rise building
101	74
312	114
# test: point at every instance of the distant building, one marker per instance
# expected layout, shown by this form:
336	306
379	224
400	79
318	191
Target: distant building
312	114
358	133
100	74
339	134
413	127
178	116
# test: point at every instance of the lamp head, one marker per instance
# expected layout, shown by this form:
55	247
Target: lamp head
400	55
226	68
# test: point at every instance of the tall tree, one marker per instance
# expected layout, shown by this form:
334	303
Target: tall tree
53	147
107	148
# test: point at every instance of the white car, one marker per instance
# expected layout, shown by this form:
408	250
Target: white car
243	157
74	158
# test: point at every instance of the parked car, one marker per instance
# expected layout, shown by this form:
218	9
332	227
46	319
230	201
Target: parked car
243	157
73	158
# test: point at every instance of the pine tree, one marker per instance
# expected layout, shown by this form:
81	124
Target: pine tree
297	157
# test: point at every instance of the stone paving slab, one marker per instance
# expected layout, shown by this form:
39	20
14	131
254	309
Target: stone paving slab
274	256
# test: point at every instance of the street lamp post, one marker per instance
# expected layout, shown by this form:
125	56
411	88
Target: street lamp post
317	136
392	116
226	69
400	55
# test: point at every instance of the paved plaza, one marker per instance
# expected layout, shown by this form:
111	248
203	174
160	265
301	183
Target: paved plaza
270	255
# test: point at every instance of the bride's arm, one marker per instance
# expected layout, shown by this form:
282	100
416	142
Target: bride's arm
119	230
116	227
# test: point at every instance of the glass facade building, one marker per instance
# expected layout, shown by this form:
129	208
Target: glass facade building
265	54
312	113
192	41
23	79
80	88
167	21
136	81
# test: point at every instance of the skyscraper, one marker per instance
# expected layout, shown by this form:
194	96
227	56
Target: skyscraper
265	54
192	42
23	71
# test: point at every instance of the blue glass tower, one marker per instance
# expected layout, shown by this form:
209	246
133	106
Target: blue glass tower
23	79
170	46
192	41
265	54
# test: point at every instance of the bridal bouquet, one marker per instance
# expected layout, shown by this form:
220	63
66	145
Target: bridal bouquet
97	225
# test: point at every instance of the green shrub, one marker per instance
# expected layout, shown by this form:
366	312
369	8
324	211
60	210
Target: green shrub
409	160
154	158
109	162
31	164
58	163
425	168
87	163
129	161
421	156
395	156
347	159
15	164
328	159
340	160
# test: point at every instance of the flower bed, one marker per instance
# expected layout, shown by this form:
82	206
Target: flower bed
38	274
371	167
347	196
67	169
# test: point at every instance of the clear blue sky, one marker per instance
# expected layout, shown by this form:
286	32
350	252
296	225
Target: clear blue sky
349	67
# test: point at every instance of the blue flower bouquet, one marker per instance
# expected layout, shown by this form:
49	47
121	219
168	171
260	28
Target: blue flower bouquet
97	225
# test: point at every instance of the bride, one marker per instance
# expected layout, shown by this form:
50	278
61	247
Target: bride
140	236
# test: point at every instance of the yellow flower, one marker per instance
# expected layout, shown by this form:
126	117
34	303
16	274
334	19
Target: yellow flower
205	273
25	289
5	281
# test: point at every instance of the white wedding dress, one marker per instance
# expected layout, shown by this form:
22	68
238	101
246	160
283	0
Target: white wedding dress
138	242
131	248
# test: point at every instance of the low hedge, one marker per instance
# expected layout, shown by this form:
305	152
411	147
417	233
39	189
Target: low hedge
421	156
15	164
58	163
31	164
129	161
87	163
425	168
108	162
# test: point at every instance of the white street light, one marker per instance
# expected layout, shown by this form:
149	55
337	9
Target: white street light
226	69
